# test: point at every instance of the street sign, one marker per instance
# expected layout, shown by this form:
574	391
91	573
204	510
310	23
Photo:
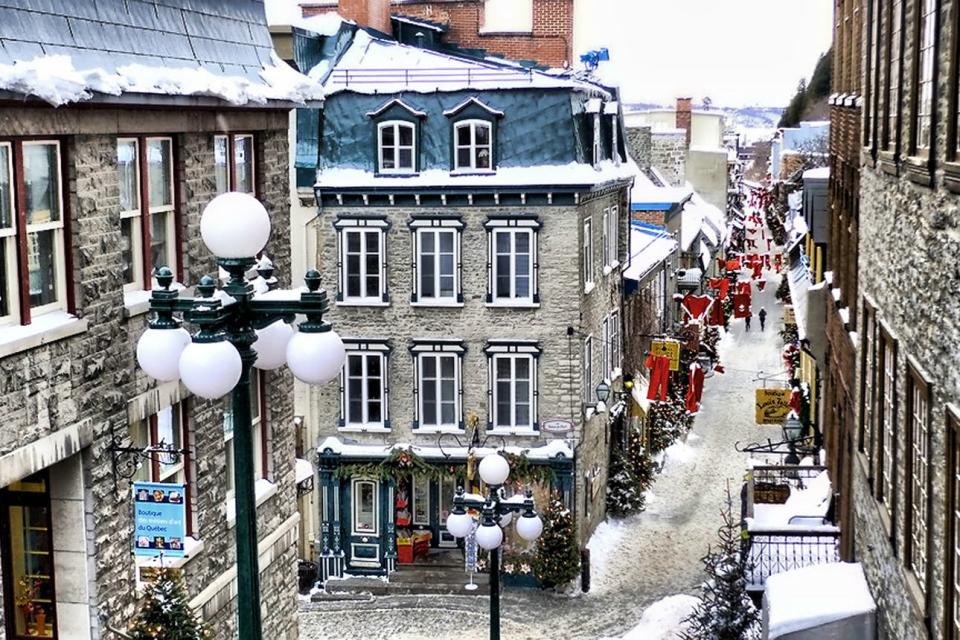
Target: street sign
668	349
159	522
557	425
789	317
772	406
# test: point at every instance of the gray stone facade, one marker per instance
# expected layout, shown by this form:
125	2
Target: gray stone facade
669	151
640	145
563	304
59	400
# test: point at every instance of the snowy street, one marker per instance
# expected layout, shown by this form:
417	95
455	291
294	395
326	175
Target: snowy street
635	562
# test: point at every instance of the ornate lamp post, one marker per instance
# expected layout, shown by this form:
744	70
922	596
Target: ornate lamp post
496	514
239	329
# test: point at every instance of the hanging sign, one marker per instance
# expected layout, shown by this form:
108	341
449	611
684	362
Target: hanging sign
789	317
557	425
772	406
470	551
667	349
159	521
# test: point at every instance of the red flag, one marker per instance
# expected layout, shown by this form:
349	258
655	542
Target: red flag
733	265
694	388
696	306
741	305
724	287
716	315
743	288
761	285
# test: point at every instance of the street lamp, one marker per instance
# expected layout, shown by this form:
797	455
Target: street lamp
496	514
239	329
792	433
603	393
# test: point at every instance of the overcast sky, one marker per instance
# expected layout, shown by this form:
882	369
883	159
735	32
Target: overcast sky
737	52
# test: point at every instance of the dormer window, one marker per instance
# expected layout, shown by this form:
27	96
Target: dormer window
473	145
397	147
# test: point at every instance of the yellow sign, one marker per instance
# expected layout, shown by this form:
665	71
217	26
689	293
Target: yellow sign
789	317
669	349
773	405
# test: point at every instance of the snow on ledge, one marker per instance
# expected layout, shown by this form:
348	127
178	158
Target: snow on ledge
547	451
663	620
815	596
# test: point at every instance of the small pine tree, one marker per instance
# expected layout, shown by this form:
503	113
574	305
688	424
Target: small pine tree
164	613
631	473
725	611
557	560
669	421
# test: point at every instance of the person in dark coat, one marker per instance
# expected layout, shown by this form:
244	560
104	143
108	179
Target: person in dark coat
746	321
763	318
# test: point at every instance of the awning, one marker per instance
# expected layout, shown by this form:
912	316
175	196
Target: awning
798	279
639	394
303	470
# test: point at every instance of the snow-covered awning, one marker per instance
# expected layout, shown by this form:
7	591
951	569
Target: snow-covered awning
799	281
649	247
639	394
820	602
302	469
543	452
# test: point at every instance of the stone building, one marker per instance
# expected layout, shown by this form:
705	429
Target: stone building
108	155
472	235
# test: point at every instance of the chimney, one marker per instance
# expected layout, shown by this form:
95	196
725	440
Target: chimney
685	116
367	13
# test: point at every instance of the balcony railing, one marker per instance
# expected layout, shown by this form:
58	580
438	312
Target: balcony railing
768	552
422	76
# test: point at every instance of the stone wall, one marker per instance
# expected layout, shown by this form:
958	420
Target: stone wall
669	156
640	145
73	389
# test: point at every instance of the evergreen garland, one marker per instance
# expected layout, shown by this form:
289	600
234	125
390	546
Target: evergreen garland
725	611
669	421
557	561
783	291
164	613
402	462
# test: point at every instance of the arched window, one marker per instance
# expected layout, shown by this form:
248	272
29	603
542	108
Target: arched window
396	147
473	145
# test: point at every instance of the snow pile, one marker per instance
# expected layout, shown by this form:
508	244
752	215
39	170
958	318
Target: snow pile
55	80
663	620
815	596
605	547
679	452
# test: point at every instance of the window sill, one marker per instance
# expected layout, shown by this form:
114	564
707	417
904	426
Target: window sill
590	286
507	32
918	171
44	329
263	489
951	176
191	549
136	303
888	163
396	174
362	303
472	172
360	429
525	432
436	430
509	304
440	304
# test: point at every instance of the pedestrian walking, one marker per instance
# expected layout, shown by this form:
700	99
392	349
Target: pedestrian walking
763	317
746	321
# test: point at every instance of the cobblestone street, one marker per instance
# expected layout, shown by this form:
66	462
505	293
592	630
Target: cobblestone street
658	553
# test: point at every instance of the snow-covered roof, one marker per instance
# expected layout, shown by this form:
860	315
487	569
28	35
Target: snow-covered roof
562	175
648	247
64	52
691	223
820	173
546	451
372	65
645	192
815	596
799	281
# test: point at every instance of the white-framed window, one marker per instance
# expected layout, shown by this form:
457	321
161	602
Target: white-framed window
614	345
131	238
420	492
258	430
597	139
588	370
507	16
513	386
234	162
439	387
397	147
366	520
586	252
161	202
362	260
512	258
9	307
611	237
473	145
364	388
924	87
606	363
918	450
436	261
886	467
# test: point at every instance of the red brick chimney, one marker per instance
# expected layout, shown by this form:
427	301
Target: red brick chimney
368	13
685	115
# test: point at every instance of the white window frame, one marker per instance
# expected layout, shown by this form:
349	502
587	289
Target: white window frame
419	479
606	365
236	138
513	351
168	211
345	225
397	147
366	348
354	498
586	249
513	225
136	218
59	253
923	117
437	349
420	226
587	364
597	142
920	469
614	344
230	141
473	124
8	238
611	237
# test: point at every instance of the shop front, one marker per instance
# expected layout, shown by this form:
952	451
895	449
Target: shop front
392	501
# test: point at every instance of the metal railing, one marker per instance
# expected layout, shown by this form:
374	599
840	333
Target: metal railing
770	552
420	76
772	484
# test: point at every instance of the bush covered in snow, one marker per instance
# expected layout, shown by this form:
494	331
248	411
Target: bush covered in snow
631	474
557	561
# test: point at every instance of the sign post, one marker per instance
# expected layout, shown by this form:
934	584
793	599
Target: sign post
159	521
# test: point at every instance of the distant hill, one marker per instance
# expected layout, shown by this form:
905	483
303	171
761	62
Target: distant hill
810	101
738	118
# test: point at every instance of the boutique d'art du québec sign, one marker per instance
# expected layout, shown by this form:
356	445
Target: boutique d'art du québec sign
159	523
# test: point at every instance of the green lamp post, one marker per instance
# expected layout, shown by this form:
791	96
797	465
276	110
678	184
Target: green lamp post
239	327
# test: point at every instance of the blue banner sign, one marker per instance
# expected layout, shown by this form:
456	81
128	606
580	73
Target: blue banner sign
160	516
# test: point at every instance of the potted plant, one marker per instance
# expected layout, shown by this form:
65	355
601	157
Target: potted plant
516	570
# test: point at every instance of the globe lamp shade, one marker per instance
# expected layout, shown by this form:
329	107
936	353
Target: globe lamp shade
235	225
271	345
506	519
529	527
158	352
494	469
316	358
489	536
210	369
459	524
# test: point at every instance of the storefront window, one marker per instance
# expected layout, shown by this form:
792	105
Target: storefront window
364	507
421	500
30	607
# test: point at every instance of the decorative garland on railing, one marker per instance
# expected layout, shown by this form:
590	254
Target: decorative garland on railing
403	462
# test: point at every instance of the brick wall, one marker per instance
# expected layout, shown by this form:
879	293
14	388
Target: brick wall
92	379
550	43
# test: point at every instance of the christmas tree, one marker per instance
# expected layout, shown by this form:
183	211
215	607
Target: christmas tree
631	473
725	611
164	613
557	560
669	421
